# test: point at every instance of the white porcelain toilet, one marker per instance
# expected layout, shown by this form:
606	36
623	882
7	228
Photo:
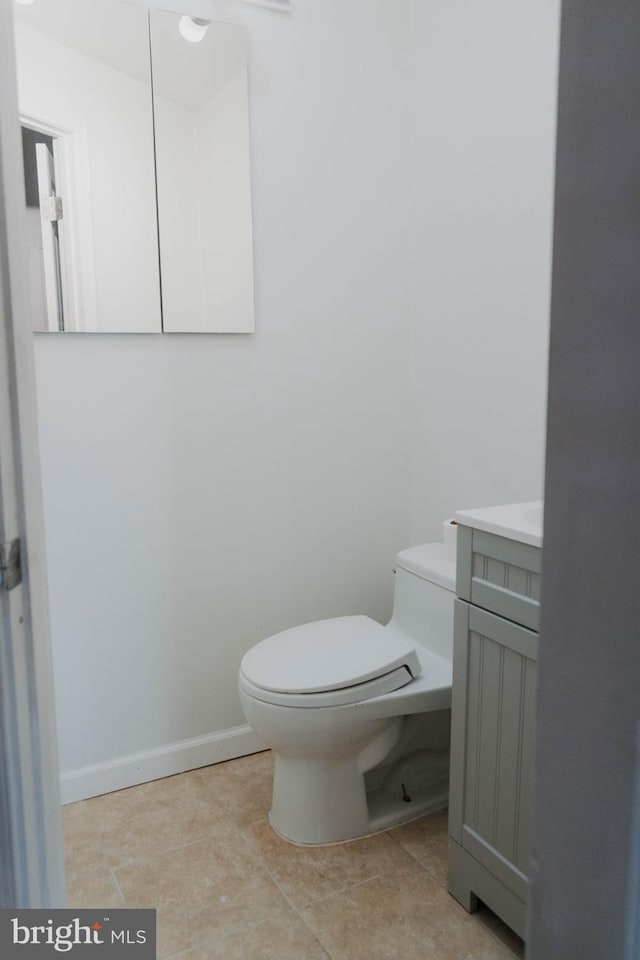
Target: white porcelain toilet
345	704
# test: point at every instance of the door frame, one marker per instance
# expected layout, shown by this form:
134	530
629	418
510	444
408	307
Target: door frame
31	844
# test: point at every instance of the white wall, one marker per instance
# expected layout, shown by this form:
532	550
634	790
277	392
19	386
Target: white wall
483	91
108	115
204	491
223	164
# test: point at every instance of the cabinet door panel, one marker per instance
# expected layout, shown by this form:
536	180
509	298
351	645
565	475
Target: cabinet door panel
492	739
501	868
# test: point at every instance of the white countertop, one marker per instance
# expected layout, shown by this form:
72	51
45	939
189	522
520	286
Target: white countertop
515	521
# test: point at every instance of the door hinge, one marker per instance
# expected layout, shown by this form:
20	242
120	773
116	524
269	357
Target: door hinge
54	208
10	565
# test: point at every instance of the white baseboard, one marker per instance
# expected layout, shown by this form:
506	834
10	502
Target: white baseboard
164	761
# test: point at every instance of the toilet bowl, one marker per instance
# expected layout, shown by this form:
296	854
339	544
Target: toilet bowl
339	702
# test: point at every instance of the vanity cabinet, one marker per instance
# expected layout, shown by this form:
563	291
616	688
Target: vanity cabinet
493	720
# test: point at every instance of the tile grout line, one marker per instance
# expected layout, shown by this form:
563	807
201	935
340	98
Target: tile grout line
292	904
297	910
181	846
117	885
341	892
432	876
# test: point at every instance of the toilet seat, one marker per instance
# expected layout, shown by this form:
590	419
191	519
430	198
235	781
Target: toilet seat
331	698
328	663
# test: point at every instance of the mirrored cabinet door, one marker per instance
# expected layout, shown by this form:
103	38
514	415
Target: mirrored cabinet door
201	113
114	216
84	89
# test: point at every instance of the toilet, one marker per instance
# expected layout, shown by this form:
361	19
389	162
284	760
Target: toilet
356	713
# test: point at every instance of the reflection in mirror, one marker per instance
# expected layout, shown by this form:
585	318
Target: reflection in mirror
85	106
203	177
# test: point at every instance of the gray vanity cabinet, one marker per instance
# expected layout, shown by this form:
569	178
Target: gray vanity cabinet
494	679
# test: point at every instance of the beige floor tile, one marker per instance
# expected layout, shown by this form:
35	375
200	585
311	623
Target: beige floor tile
90	882
416	836
198	849
203	892
308	873
436	861
268	941
406	914
81	848
243	786
143	821
427	841
99	890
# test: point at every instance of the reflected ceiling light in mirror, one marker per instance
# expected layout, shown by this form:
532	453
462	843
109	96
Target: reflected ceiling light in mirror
191	28
24	2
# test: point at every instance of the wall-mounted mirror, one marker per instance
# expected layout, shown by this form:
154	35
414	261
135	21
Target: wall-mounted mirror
86	109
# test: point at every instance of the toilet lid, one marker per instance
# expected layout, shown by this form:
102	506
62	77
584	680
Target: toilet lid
328	655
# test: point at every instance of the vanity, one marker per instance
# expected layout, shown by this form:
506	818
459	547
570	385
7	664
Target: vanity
496	621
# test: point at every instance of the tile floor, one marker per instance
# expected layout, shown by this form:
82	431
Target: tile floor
198	848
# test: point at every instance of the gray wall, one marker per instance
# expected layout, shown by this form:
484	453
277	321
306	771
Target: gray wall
589	695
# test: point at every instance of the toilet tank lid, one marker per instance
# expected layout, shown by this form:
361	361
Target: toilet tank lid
430	562
328	655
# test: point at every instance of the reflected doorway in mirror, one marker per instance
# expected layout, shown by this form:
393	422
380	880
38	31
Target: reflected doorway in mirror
60	231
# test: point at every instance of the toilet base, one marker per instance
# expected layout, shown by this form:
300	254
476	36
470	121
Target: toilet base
317	802
323	803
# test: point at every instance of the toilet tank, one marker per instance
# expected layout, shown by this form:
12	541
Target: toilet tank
423	597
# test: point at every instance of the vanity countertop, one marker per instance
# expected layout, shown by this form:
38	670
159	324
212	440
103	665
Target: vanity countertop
515	521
